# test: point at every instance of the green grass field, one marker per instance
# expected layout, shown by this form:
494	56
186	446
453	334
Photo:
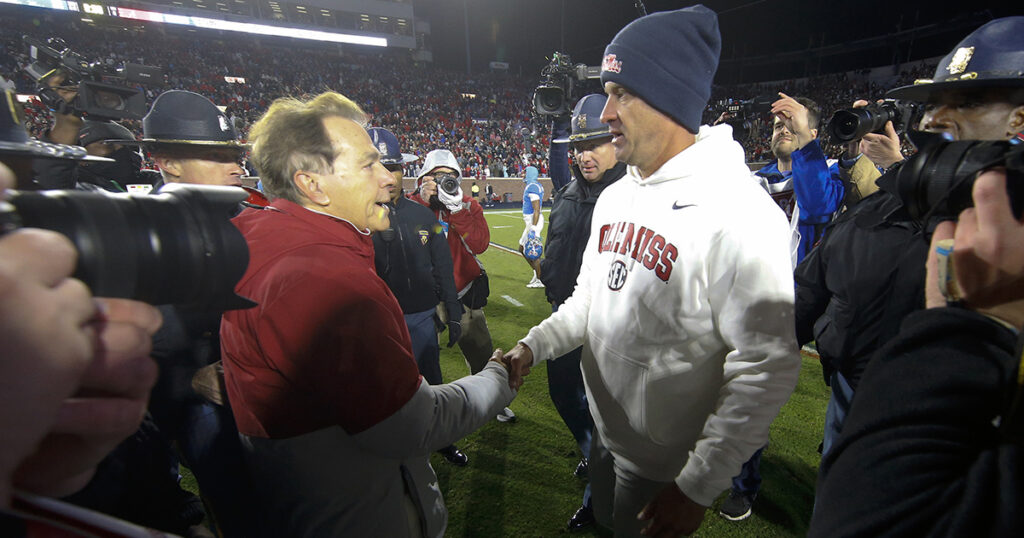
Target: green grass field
519	479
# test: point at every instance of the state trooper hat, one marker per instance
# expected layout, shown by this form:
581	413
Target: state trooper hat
990	57
387	144
586	120
185	118
14	139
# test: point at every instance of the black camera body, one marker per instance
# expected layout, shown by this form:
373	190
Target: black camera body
742	112
853	123
558	83
103	90
938	180
449	183
177	246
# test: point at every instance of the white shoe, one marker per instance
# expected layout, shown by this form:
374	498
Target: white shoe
506	415
535	283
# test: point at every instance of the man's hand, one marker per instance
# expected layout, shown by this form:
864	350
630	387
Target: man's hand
672	514
882	149
519	360
106	408
988	253
428	188
454	332
794	116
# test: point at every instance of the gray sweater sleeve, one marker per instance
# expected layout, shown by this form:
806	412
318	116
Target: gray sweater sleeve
438	415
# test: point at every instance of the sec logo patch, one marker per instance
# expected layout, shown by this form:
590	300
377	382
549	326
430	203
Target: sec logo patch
617	276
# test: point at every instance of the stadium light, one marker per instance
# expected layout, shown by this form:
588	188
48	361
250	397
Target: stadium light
205	23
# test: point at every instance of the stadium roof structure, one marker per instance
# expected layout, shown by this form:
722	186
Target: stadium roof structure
761	39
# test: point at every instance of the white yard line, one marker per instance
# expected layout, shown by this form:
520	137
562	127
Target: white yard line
511	300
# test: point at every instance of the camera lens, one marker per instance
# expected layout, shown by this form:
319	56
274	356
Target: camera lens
174	247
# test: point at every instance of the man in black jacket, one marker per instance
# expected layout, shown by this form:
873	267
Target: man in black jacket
594	169
412	257
934	441
857	285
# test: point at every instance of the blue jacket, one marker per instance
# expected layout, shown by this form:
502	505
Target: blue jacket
532	187
816	187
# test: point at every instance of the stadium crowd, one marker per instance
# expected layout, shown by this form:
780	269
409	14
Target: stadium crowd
486	119
682	286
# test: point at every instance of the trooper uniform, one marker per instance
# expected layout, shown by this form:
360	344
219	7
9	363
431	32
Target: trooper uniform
188	402
568	233
412	258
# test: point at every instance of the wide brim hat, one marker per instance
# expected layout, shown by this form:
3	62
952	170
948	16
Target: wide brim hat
14	139
991	56
586	120
387	144
184	118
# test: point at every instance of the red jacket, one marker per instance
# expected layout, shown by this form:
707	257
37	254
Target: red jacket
471	226
328	344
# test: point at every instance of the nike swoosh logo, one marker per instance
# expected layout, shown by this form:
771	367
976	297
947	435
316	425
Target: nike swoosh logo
675	205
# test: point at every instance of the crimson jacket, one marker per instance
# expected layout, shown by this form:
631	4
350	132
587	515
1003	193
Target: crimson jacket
471	226
319	299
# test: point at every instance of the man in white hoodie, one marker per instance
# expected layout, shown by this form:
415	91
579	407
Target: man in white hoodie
684	303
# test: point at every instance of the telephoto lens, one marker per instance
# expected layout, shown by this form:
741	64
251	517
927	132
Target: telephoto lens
177	246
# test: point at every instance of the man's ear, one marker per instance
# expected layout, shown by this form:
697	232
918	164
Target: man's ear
311	186
169	165
1015	124
814	133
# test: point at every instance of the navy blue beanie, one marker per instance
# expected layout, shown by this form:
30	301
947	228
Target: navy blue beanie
668	59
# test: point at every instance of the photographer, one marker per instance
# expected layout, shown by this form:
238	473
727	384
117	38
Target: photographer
465	227
849	304
76	371
933	443
412	257
101	139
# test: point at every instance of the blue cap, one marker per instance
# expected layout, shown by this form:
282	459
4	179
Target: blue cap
586	119
991	56
668	59
387	144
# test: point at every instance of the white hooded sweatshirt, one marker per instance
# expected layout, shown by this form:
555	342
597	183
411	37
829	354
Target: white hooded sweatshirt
684	308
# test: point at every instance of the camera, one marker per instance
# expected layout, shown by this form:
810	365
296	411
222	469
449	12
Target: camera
853	123
177	246
742	111
938	180
558	82
103	90
449	183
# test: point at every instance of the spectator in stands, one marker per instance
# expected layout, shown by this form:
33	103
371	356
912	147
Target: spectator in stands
533	220
594	169
412	257
462	220
681	303
845	302
336	421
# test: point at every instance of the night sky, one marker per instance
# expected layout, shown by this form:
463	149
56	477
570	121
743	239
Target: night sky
524	33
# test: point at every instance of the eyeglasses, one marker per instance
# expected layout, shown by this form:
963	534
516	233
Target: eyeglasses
222	156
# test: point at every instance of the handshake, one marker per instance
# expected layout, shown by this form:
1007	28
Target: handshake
517	362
